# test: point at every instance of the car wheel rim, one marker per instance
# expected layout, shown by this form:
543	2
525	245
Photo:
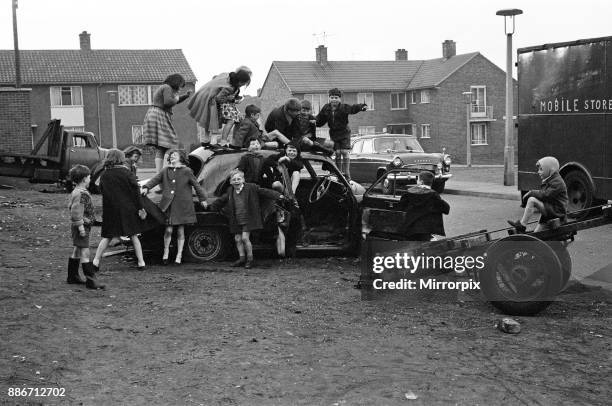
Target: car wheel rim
205	245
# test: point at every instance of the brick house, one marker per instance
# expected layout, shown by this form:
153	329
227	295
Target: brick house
419	97
74	86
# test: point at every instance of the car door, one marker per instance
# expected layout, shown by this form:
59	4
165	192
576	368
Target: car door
381	210
81	151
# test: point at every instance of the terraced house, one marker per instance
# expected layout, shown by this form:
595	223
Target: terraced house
82	87
424	98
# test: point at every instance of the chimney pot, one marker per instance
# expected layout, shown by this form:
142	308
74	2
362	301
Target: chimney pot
84	40
321	54
449	49
401	55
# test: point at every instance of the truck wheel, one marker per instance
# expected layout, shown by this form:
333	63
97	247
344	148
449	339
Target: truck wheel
580	193
521	275
206	244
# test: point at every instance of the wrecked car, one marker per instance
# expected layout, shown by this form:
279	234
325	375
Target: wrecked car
329	209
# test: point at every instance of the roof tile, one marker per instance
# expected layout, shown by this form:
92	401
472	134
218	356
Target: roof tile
40	67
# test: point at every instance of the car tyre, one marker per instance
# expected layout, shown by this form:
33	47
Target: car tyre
580	193
206	244
439	187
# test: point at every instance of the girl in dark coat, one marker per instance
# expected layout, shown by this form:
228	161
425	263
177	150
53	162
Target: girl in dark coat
244	213
177	179
550	201
122	211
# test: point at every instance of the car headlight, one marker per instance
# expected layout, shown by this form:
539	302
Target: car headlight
396	161
447	160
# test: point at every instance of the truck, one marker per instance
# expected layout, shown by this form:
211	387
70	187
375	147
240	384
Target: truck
54	154
565	111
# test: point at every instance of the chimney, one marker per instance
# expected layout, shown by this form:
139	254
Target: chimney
84	41
449	49
401	55
321	54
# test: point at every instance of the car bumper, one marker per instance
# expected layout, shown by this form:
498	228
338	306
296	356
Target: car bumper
412	176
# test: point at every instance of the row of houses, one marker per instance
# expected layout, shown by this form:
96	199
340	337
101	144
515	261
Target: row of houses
425	98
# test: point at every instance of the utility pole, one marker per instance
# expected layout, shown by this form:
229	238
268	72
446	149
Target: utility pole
16	41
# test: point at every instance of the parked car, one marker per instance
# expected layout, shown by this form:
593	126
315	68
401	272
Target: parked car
373	155
328	202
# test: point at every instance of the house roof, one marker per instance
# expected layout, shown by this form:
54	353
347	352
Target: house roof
96	66
311	76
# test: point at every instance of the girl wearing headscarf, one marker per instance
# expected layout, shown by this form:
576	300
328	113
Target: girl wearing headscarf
214	103
550	201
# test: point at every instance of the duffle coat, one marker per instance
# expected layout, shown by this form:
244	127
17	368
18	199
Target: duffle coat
177	196
120	203
253	194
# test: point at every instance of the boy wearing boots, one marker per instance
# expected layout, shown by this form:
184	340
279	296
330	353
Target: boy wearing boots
335	115
81	218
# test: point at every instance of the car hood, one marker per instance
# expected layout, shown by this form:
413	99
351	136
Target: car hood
420	157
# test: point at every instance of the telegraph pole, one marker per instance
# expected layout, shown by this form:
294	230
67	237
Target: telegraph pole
16	40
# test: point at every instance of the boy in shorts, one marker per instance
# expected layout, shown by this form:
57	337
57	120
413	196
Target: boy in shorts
335	115
81	219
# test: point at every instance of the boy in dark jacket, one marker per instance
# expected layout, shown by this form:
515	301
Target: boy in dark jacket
424	208
248	128
335	115
550	201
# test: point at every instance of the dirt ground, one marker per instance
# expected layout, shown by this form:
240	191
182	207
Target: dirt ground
292	333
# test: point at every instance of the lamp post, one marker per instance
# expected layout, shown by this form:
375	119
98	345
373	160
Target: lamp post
468	135
112	98
508	15
16	46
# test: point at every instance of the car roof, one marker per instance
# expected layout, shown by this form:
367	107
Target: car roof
363	137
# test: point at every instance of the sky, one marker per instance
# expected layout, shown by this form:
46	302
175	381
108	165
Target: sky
218	36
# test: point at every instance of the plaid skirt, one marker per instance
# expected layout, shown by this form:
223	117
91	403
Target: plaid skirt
158	129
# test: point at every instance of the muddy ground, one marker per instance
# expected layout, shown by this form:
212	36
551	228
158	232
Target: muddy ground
292	333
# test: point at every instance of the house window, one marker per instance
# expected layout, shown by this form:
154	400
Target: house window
366	129
425	130
407	128
398	101
317	101
66	96
425	96
322	132
479	99
479	134
133	95
413	97
367	98
137	133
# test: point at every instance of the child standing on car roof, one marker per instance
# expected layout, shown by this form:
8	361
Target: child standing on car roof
176	179
244	214
335	115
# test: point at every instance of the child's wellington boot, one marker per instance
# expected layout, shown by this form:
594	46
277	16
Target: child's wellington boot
73	271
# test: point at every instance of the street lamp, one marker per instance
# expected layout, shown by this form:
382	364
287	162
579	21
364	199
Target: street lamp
112	98
508	15
468	135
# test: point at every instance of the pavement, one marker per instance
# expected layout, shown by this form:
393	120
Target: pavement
482	189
